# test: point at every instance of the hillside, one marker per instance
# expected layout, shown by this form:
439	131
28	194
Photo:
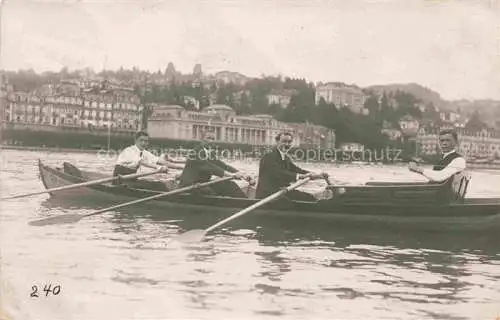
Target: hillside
487	110
426	95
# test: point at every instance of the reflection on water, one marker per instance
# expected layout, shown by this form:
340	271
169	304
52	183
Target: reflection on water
117	265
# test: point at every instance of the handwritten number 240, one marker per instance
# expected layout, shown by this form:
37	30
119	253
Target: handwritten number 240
47	288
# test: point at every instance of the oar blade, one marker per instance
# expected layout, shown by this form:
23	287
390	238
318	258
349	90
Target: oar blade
190	236
62	219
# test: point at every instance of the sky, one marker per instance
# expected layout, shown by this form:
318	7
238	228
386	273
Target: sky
450	46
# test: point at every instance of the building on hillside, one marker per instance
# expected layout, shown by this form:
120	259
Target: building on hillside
170	72
341	95
449	116
197	70
352	147
409	125
174	122
191	101
422	107
281	97
391	132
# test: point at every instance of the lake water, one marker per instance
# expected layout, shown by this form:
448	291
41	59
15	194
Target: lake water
116	265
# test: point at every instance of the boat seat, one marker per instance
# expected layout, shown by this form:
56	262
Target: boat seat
459	185
398	183
72	170
249	191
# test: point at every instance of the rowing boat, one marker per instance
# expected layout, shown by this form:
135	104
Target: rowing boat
414	204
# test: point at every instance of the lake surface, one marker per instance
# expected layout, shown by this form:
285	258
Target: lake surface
116	265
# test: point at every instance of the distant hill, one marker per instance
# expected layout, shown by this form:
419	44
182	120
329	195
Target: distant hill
425	94
491	107
489	110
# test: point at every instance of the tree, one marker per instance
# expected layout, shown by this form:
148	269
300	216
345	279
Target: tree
475	123
373	107
298	110
244	107
222	95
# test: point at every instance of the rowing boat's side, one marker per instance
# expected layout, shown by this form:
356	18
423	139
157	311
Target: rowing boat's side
474	213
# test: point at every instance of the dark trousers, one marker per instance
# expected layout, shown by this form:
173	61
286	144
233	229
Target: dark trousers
224	189
290	195
137	183
300	196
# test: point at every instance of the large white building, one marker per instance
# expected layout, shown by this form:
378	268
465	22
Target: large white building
342	95
174	122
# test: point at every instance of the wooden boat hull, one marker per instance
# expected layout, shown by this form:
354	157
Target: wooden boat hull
474	214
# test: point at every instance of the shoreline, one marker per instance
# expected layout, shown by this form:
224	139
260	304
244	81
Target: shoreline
480	166
51	149
75	150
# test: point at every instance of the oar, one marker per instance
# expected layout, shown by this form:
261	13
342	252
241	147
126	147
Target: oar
72	218
197	235
84	184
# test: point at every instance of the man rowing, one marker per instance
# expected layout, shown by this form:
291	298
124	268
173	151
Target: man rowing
133	157
202	164
451	162
277	171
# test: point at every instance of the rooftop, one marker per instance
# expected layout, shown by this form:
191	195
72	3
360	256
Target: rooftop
168	107
218	107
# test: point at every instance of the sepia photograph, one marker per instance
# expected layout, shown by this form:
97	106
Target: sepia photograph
237	159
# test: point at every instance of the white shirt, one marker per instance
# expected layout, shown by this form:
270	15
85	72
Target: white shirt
131	156
283	154
455	166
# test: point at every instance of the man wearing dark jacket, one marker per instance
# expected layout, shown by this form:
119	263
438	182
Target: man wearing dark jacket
202	164
277	171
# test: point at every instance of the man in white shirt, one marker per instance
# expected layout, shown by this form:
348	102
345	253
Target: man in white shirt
451	162
135	156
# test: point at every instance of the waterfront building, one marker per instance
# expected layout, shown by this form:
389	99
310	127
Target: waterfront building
69	105
313	136
342	95
174	122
